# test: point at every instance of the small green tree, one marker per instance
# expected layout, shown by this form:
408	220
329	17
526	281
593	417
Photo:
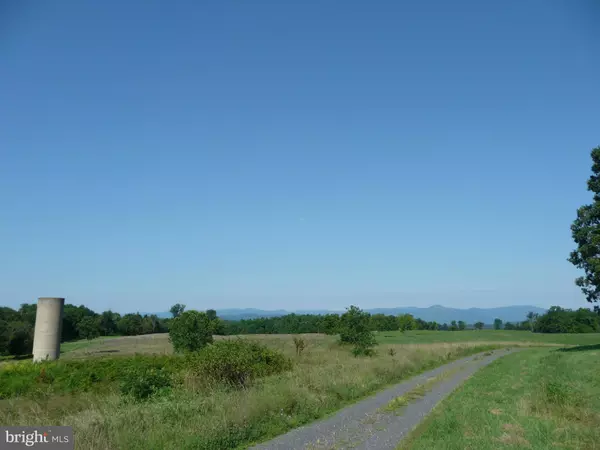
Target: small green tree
355	330
497	324
462	325
479	325
531	318
177	309
406	322
190	331
453	326
586	234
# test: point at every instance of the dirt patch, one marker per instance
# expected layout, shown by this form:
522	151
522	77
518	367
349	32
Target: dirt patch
513	428
513	439
496	411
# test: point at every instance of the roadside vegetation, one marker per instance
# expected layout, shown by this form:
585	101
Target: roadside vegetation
535	399
225	394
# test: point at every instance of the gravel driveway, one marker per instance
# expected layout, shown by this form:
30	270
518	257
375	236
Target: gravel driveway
364	425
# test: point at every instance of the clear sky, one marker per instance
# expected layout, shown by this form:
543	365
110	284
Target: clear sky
295	155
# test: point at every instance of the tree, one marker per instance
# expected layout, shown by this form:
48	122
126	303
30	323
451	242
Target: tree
406	322
177	309
355	330
108	322
479	325
462	325
190	331
497	324
211	313
89	327
586	234
532	317
453	326
20	340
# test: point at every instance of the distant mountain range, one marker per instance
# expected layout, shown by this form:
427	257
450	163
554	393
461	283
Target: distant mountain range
436	313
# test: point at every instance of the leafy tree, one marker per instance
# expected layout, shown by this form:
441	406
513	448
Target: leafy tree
453	326
479	325
108	322
4	337
560	320
211	313
190	331
462	325
355	330
131	325
406	322
444	327
497	324
586	234
177	309
331	324
532	317
509	326
20	341
89	327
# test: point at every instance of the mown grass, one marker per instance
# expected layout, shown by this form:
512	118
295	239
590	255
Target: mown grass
534	399
426	336
199	415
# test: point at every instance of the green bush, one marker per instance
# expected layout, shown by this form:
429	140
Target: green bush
140	384
190	331
354	329
72	376
239	361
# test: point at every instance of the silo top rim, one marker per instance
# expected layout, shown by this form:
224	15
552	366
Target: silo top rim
51	298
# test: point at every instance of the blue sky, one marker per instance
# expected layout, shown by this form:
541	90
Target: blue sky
295	155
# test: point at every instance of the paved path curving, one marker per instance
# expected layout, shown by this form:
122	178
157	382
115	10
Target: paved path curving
364	425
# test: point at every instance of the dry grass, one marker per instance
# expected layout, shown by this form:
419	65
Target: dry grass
195	416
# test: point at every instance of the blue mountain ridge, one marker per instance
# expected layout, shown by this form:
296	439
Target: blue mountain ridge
437	313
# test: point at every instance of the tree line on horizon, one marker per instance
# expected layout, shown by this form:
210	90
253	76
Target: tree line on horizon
80	322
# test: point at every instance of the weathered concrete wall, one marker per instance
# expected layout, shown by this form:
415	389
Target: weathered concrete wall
48	328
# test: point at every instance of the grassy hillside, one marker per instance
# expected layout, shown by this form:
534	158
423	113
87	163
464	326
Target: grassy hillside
536	399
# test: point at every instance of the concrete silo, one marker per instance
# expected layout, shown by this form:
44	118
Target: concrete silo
48	328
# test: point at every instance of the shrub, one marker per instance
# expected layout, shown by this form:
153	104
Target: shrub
239	361
190	331
140	384
391	352
300	344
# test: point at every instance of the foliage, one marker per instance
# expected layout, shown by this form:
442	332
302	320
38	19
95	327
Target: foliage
190	331
479	325
497	324
355	330
20	339
300	345
586	234
143	383
462	325
453	326
238	361
560	320
177	310
89	327
406	322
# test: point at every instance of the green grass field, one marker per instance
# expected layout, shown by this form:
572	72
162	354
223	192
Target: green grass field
535	399
425	336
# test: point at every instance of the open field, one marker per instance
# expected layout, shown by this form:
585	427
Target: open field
425	336
159	344
534	399
194	415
